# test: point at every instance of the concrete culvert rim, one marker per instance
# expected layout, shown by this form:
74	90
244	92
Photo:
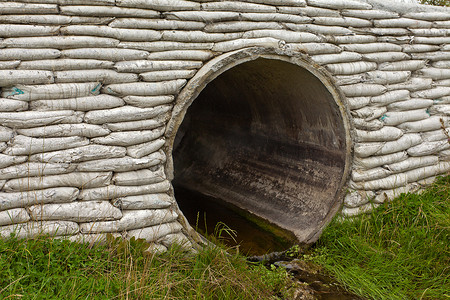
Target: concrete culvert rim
321	147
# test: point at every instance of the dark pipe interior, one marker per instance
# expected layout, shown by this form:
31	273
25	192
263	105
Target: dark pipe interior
268	137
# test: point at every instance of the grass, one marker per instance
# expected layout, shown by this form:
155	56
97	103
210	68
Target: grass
399	251
45	268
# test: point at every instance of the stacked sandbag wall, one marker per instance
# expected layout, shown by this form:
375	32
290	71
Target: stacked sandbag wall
88	86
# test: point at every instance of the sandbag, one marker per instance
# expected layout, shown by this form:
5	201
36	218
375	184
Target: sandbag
7	160
425	172
27	8
397	117
432	40
139	177
342	21
108	11
160	5
281	17
33	229
52	19
121	34
4	65
202	37
412	163
80	154
386	133
3	146
415	84
444	155
352	39
156	122
337	58
369	14
444	82
358	102
371	47
18	30
167	75
103	76
287	36
363	89
428	15
238	6
124	113
309	11
6	134
435	135
390	182
238	26
110	54
86	211
407	65
129	138
390	97
387	77
178	239
427	148
340	4
376	161
445	64
319	29
415	103
23	145
154	233
146	88
156	23
349	79
80	104
151	201
12	77
404	142
351	68
59	42
76	179
141	150
367	125
357	198
363	150
387	195
356	211
369	113
65	130
24	199
27	119
13	216
419	48
202	16
435	73
9	105
402	22
245	43
371	174
431	123
384	57
315	48
31	169
433	93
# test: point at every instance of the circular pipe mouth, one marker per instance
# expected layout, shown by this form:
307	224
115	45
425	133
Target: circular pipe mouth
269	137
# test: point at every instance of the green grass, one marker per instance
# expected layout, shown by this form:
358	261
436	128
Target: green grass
399	251
45	268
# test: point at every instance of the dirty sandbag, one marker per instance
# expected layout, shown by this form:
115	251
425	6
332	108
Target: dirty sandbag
7	160
14	216
153	123
371	174
369	14
412	163
28	54
139	177
357	102
167	75
138	151
390	182
203	16
154	233
371	47
148	101
178	239
160	5
415	84
427	15
435	73
122	34
387	133
31	169
444	155
319	30
107	11
432	123
402	22
351	68
146	88
416	48
285	35
443	82
80	104
435	135
397	117
380	160
110	54
427	148
425	172
340	4
101	75
352	39
10	105
407	65
80	154
342	21
362	124
65	130
27	119
151	201
238	7
27	8
200	36
433	93
387	195
244	43
129	138
387	77
357	198
7	65
315	48
124	114
60	42
369	113
390	97
363	150
34	229
199	55
384	57
342	57
348	79
444	64
23	145
411	104
6	134
155	23
20	30
13	77
362	89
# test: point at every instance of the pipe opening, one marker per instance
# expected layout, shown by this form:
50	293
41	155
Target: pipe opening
268	137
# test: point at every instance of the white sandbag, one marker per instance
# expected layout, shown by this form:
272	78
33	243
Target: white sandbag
155	248
387	195
351	68
152	201
112	192
146	88
357	102
387	133
27	8
244	43
442	100
2	183
199	55
31	169
402	22
84	180
348	212
139	177
411	104
160	5
369	113
238	26
432	56
24	199
24	145
390	182
444	155
437	32
156	23
9	105
432	40
110	54
4	65
121	34
427	148
363	89
315	48
443	109
283	17
444	82
412	163
29	119
407	65
141	150
415	84
337	58
406	141
52	91
167	75
159	121
13	216
372	174
52	19
387	77
369	14
365	125
435	135
165	46
7	160
419	48
428	16
124	113
376	161
129	138
132	219
340	4
434	93
3	146
357	198
390	97
391	32
383	57
65	130
371	47
287	36
308	11
342	21
12	77
178	239
238	6
154	233
199	36
349	79
19	30
397	117
86	211
445	64
432	123
421	173
202	16
107	11
80	154
65	64
319	29
59	42
363	150
101	75
122	164
80	104
6	134
352	39
34	229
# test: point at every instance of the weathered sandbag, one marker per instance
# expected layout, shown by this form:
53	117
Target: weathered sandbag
129	138
6	65
7	160
244	43
363	150
112	191
397	117
65	130
156	23
13	216
3	146
387	133
196	55
319	29
309	11
156	122
340	4
281	17
31	169
165	46
287	36
441	109
419	48
387	195
352	39
412	163
390	97
425	172
342	21
428	16
371	47
124	114
432	40
315	48
444	82
27	8
444	155
383	57
80	104
387	77
141	150
132	219
107	11
27	119
427	148
337	58
411	104
351	68
445	64
154	233
357	198
358	102
24	199
33	229
52	19
59	42
371	174
369	113
435	135
156	248
110	54
122	34
146	88
432	123
367	125
376	161
24	145
408	140
349	79
369	14
101	75
202	16
12	77
51	91
391	32
238	26
139	177
363	89
202	37
407	65
432	56
122	164
415	84
6	134
433	93
167	75
10	105
390	182
81	180
402	22
151	201
28	54
80	154
437	32
160	5
178	239
238	6
85	211
19	30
